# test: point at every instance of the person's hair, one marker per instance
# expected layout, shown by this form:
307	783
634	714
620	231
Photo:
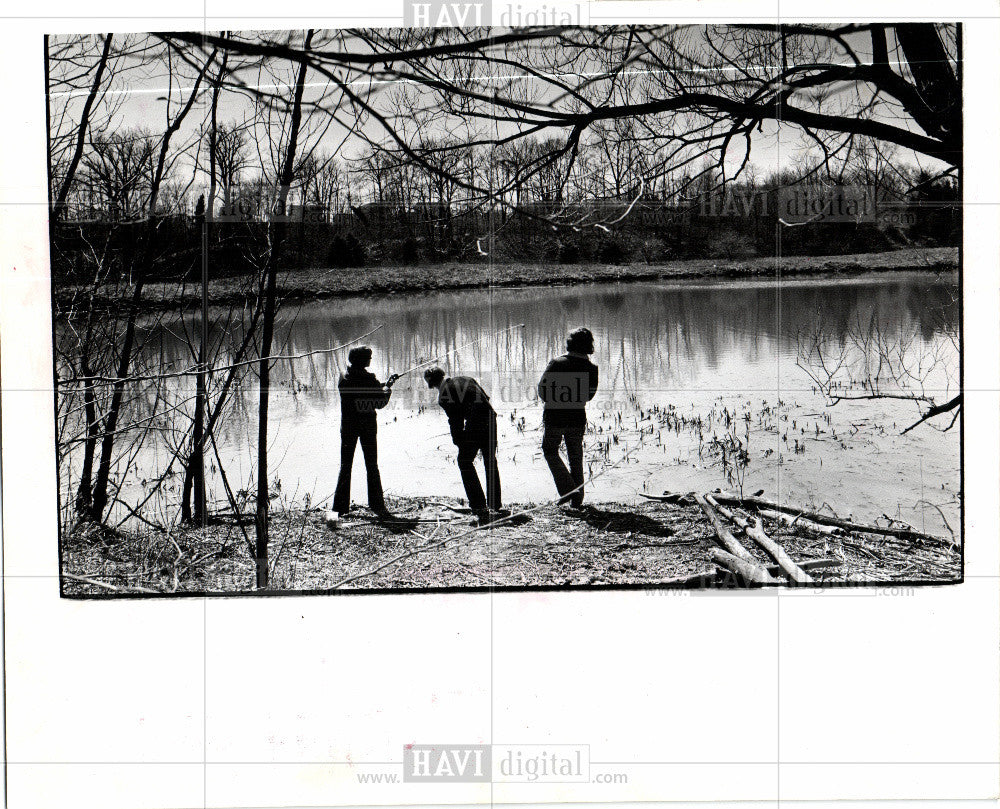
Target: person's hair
360	357
434	376
580	341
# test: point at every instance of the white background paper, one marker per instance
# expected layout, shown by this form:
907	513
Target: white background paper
284	701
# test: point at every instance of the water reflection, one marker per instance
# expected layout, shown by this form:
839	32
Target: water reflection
683	345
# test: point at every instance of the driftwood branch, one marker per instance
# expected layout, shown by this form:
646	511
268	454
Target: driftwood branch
725	536
759	503
751	572
777	553
936	410
799	520
674	498
756	532
697	581
809	565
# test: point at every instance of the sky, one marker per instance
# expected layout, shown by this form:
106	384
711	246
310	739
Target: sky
140	96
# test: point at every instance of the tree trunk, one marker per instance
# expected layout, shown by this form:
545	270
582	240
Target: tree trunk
263	503
84	493
270	304
100	492
186	512
194	477
201	400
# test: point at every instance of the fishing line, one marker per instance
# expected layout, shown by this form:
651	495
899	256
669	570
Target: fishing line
458	348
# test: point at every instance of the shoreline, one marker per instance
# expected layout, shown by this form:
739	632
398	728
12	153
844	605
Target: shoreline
612	545
319	284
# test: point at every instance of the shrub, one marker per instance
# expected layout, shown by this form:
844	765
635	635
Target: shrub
355	251
569	253
409	251
612	251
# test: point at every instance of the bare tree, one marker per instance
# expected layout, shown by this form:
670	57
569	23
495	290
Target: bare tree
276	231
126	171
117	172
228	147
65	180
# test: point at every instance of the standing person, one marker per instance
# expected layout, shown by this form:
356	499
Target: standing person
568	383
361	394
473	424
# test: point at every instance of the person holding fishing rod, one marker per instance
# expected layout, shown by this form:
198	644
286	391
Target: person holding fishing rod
568	383
361	394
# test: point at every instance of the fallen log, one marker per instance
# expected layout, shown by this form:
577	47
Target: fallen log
759	503
790	521
809	564
777	553
751	572
725	536
673	497
773	549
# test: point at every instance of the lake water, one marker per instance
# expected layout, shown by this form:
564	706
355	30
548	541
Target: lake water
727	353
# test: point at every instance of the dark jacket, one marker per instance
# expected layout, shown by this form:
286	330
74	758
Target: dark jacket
568	383
467	406
361	394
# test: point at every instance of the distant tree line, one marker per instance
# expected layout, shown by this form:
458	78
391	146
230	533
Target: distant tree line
388	209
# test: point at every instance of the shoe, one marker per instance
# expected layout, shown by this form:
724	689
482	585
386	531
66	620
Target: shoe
497	514
486	516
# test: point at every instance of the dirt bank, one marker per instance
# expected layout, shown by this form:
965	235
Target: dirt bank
609	545
311	284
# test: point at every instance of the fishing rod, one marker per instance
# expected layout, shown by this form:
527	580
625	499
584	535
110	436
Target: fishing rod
395	377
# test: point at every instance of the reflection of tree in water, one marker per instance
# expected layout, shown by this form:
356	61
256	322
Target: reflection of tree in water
614	301
664	330
909	352
650	337
570	304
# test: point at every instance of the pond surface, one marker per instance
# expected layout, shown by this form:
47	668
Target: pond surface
703	385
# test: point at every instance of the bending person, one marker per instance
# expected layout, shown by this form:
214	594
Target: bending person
473	425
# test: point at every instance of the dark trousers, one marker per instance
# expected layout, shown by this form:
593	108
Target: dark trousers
350	435
485	441
566	479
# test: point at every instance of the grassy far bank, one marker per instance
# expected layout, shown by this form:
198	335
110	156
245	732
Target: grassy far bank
611	544
310	284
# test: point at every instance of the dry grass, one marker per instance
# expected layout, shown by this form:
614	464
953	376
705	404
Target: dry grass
611	544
